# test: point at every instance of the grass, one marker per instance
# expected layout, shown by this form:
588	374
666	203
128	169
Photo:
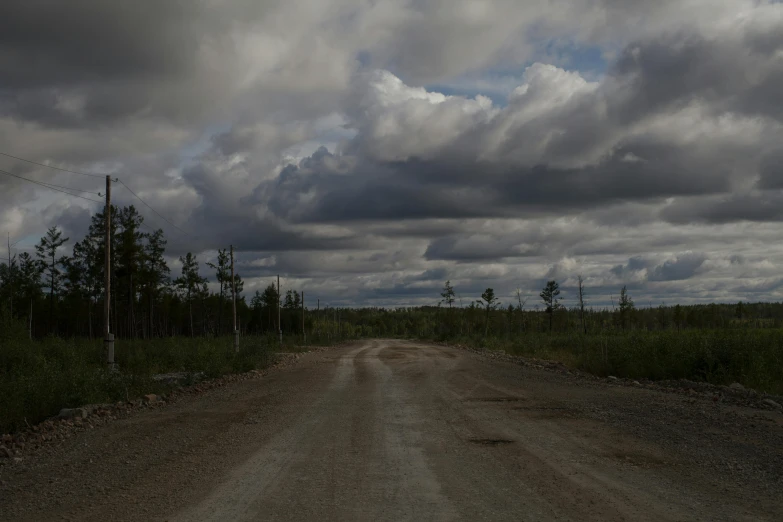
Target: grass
753	358
38	378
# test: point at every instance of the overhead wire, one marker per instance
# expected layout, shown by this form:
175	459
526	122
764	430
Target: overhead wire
58	188
52	186
152	209
53	167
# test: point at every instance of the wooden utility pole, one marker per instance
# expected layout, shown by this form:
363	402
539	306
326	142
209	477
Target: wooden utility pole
304	335
108	338
317	317
234	302
11	278
279	326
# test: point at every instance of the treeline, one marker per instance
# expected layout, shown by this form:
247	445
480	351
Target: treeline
548	313
60	295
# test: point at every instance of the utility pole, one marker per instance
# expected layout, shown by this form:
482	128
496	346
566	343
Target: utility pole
317	318
304	334
108	339
11	277
279	326
234	302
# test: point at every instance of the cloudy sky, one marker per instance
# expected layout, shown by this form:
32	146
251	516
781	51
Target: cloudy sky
368	150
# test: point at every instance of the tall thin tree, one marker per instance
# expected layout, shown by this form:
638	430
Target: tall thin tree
549	297
626	306
223	275
189	282
46	250
489	302
581	296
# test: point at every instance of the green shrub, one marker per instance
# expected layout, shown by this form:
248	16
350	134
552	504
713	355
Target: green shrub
751	357
38	378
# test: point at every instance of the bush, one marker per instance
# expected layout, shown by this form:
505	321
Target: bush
38	378
751	357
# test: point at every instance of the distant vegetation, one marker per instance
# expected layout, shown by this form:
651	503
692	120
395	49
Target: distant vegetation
716	343
51	316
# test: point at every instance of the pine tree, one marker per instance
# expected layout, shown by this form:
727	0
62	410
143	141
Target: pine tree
288	302
626	306
30	271
489	302
129	255
448	294
549	297
271	301
75	284
223	276
46	251
96	259
190	282
581	298
155	273
9	281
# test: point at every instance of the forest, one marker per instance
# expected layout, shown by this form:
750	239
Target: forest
63	295
51	318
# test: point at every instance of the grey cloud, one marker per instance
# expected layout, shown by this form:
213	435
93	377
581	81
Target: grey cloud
513	178
734	73
634	265
682	267
419	187
477	248
754	206
92	54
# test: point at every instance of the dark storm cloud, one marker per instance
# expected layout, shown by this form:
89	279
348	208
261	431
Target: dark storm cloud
737	73
107	60
392	191
81	41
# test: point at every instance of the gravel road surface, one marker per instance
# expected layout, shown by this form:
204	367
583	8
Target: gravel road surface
394	430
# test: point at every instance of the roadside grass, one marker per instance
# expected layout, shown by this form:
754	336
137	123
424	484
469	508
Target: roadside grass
38	378
754	358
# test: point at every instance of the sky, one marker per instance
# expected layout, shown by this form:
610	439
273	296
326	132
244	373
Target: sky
369	150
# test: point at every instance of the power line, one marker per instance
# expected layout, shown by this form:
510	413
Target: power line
53	185
57	188
152	209
52	167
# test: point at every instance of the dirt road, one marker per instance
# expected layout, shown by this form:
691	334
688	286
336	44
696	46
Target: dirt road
390	430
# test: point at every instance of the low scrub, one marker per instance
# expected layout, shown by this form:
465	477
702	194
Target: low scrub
753	358
38	378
